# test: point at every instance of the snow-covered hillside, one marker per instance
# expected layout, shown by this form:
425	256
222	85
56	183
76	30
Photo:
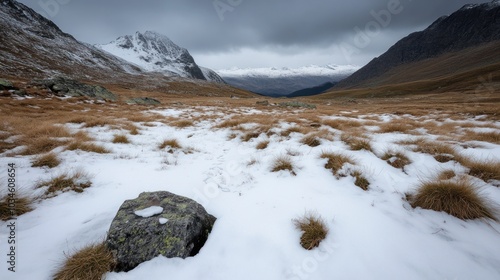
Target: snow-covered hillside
283	81
155	52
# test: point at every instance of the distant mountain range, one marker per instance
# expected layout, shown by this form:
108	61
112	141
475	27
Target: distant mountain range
284	81
463	42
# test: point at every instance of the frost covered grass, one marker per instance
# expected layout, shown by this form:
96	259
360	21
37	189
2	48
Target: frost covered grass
254	237
90	262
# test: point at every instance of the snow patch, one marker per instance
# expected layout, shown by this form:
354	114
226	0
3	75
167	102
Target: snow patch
149	212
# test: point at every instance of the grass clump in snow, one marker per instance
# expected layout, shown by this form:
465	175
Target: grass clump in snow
120	139
356	143
42	145
335	161
491	137
49	160
458	198
78	181
485	170
170	143
311	141
14	207
249	136
182	123
282	163
447	175
313	228
262	145
360	181
86	147
396	159
90	263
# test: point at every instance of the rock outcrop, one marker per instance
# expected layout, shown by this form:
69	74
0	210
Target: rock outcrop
158	223
67	87
143	101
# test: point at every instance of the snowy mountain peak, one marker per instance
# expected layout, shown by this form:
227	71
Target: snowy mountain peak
155	52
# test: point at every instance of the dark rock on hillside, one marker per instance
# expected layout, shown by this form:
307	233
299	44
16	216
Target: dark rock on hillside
67	87
143	101
470	26
158	223
6	85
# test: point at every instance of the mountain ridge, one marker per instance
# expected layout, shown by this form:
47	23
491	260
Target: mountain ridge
278	82
155	52
469	26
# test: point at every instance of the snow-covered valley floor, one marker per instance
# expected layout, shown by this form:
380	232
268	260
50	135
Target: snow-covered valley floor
373	234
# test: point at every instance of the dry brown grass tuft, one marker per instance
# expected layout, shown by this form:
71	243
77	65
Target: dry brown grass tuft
360	181
401	125
446	175
87	147
77	182
342	124
313	228
249	136
172	144
93	122
282	163
91	263
120	139
457	198
229	123
182	123
311	141
396	159
491	137
12	208
356	143
485	170
293	129
336	161
35	146
49	160
433	147
262	145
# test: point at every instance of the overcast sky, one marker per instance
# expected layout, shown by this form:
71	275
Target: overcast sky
254	33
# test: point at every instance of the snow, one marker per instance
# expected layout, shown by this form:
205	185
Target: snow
312	70
373	234
162	221
149	212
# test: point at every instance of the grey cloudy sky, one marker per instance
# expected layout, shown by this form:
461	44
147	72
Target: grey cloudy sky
254	33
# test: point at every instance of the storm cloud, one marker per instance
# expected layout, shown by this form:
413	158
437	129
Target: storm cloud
254	33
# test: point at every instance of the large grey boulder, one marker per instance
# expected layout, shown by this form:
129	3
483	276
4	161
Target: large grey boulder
68	87
157	223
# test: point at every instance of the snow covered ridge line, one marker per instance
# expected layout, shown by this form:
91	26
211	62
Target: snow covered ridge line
271	72
154	52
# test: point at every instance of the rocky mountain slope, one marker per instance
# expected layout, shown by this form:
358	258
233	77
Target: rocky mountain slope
468	27
154	52
33	46
283	81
